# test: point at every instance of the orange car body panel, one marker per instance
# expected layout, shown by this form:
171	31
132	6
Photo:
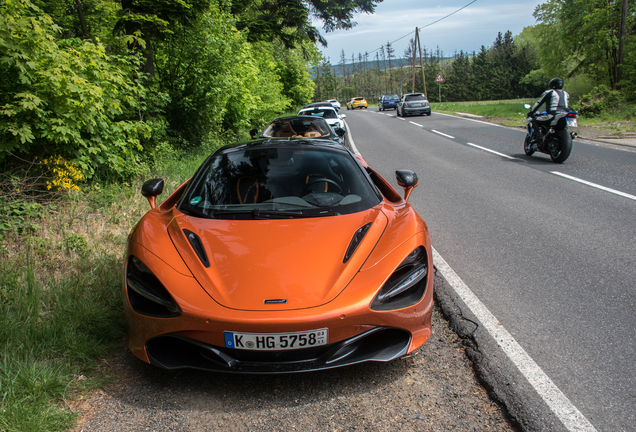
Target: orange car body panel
300	260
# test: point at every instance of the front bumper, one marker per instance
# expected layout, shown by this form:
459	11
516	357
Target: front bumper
173	351
198	332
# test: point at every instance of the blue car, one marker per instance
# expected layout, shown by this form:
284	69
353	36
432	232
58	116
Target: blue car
388	101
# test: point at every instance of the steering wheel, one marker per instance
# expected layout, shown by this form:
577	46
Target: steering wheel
305	190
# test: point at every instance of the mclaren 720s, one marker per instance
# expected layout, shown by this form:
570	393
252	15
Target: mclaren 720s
278	255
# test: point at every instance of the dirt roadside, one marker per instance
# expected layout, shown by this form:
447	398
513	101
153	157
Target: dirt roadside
433	389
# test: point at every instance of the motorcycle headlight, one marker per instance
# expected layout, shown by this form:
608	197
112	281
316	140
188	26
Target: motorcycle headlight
406	285
146	294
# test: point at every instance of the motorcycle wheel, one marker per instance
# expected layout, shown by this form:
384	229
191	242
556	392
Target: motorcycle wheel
563	150
527	145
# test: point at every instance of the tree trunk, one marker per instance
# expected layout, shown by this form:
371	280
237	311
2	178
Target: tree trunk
621	42
80	13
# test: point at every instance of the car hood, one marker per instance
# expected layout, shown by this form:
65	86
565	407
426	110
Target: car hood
298	261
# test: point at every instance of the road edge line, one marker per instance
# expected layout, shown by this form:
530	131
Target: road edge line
555	399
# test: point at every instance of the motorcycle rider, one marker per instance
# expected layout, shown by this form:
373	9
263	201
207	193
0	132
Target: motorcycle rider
555	99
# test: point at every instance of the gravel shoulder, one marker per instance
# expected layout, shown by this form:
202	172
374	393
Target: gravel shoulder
433	389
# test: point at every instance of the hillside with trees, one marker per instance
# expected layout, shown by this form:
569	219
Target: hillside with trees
591	44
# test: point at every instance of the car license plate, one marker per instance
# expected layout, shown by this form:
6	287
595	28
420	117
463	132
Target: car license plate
572	122
276	341
417	105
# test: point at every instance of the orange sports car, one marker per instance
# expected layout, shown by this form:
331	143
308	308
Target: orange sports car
278	255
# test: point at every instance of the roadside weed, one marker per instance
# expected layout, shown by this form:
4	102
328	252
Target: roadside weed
60	301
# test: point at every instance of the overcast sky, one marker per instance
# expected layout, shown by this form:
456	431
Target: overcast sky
467	30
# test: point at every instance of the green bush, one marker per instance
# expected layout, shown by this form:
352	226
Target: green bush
600	100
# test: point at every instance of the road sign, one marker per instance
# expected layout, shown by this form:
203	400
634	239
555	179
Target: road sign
439	79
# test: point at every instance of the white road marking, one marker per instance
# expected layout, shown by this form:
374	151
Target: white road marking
400	118
491	151
416	124
354	149
443	134
585	182
569	415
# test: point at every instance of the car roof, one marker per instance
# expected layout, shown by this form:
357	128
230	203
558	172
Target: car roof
318	108
318	104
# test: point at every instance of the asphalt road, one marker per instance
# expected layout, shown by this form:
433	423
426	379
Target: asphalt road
554	260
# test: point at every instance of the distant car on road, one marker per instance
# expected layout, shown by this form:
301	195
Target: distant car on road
335	103
329	113
413	104
357	102
388	101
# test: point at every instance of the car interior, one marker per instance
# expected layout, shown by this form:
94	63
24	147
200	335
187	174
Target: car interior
297	128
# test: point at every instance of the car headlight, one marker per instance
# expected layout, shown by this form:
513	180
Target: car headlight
406	285
146	294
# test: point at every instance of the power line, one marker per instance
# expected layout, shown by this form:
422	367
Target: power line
427	25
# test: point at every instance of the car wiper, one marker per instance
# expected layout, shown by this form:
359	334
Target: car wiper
277	214
286	214
193	210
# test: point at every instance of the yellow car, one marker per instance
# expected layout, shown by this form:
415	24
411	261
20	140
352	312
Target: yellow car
357	102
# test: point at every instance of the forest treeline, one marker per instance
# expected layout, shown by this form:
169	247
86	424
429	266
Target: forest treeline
591	44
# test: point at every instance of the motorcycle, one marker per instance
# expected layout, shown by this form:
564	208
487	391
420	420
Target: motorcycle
554	140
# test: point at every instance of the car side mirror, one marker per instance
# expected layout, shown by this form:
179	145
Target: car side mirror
340	132
152	188
254	133
343	116
408	180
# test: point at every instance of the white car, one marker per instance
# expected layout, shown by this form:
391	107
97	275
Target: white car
335	120
335	103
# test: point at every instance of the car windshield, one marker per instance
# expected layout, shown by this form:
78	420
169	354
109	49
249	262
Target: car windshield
358	99
287	181
415	97
393	96
324	113
298	127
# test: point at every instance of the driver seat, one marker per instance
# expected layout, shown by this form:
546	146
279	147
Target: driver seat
286	131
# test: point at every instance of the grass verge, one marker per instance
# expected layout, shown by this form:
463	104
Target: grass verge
60	301
513	113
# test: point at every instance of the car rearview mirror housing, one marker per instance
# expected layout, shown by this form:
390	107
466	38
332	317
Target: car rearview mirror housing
408	180
151	189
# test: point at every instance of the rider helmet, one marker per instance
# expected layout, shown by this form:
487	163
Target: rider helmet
556	83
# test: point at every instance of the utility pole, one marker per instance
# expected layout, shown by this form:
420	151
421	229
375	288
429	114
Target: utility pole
417	45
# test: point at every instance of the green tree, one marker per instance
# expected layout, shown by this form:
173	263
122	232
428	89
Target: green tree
290	20
584	36
72	100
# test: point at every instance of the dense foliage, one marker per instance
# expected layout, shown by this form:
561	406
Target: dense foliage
102	84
